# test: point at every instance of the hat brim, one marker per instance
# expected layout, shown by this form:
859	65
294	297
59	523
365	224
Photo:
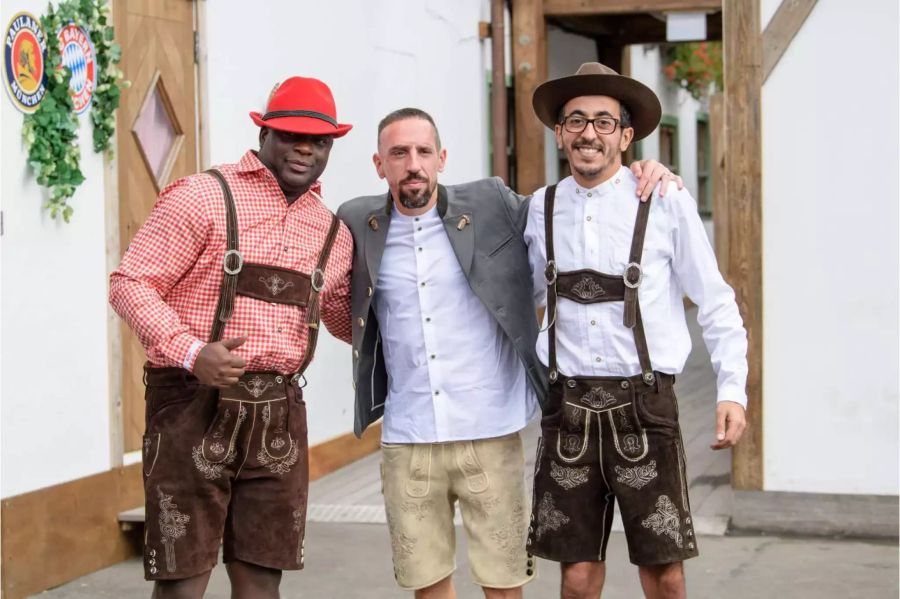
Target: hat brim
642	103
302	124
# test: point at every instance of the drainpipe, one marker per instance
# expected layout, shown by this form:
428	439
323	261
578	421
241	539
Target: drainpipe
499	116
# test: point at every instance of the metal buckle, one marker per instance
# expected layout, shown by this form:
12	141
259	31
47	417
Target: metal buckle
317	275
550	272
240	262
640	275
649	378
553	376
296	378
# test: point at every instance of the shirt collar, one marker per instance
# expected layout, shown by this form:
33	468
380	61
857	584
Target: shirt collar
609	186
250	163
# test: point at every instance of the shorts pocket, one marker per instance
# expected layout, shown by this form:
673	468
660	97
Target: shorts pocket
573	433
629	437
150	452
658	408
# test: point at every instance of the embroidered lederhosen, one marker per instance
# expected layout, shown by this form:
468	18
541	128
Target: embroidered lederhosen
230	467
610	437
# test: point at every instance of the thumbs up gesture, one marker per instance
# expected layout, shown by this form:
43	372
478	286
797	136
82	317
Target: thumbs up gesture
216	366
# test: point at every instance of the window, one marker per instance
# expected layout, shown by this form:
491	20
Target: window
704	166
668	142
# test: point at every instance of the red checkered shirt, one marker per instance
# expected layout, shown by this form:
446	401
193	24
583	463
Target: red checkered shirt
167	286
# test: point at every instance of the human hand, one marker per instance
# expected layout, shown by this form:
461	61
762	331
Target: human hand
216	366
651	172
730	424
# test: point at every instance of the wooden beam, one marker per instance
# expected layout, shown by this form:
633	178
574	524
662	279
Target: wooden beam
782	28
56	534
607	7
717	173
529	48
743	182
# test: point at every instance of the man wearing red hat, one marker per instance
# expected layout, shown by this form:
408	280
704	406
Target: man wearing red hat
615	337
224	285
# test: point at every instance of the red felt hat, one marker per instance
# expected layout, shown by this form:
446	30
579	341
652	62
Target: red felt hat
302	105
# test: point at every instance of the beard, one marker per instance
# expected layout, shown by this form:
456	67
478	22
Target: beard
594	168
417	199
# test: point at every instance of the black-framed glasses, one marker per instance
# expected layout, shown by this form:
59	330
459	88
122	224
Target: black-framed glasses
602	124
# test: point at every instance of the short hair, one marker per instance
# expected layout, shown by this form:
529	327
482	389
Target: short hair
624	118
409	113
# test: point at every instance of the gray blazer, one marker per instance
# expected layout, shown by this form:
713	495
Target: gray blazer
485	222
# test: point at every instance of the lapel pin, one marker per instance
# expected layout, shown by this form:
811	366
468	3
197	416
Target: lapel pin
373	223
465	220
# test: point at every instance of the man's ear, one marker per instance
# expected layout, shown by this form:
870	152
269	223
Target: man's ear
627	136
376	160
442	159
263	134
557	133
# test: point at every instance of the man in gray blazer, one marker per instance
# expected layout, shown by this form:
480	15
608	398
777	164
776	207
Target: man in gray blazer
444	349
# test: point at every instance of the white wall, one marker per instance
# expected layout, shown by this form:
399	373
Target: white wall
54	414
377	56
830	280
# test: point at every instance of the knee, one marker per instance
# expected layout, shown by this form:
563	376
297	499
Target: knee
670	580
582	580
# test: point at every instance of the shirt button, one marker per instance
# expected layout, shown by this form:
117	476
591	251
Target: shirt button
419	229
361	321
427	319
422	283
437	392
589	194
416	219
287	249
279	329
433	356
588	219
577	191
420	248
593	323
597	359
617	181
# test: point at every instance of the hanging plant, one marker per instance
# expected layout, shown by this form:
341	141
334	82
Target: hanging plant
51	132
694	66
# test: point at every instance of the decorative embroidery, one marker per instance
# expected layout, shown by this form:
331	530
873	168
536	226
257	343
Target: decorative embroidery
665	521
210	470
277	443
418	509
598	398
275	284
574	418
219	433
482	508
637	477
256	386
572	443
299	519
569	478
279	465
549	518
624	420
172	526
631	443
402	547
510	538
588	289
217	448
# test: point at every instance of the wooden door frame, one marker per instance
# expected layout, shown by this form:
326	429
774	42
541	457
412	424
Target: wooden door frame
742	42
113	234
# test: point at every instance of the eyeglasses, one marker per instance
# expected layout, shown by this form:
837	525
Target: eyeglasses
577	124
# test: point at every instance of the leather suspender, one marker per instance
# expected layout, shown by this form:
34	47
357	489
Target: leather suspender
632	278
233	262
312	307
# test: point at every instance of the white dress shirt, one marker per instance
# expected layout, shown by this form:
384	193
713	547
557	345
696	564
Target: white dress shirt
592	228
452	373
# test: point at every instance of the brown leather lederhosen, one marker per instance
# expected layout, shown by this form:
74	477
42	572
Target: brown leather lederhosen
636	454
230	467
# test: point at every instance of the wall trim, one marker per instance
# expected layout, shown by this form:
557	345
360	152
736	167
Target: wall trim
816	514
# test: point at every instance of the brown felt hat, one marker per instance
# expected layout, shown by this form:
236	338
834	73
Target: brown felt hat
595	79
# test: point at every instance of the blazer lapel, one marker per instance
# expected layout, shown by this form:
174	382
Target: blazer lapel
459	226
377	224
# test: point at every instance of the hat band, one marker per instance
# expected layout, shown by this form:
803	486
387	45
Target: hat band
277	114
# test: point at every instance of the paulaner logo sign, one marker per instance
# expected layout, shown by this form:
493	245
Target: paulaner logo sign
23	61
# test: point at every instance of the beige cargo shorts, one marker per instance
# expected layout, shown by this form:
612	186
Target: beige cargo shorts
421	484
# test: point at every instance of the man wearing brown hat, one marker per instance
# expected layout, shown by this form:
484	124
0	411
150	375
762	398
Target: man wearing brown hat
615	338
224	285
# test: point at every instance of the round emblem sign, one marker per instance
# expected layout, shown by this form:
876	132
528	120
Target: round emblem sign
23	61
78	56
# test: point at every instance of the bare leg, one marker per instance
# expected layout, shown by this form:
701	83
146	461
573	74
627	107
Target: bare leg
443	589
582	580
186	588
249	581
663	582
491	593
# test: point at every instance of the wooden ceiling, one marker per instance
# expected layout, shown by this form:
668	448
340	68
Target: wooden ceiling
616	30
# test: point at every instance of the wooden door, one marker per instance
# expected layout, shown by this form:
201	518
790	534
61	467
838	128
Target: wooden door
157	142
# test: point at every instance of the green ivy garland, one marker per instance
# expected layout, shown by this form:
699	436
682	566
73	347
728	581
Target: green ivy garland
51	132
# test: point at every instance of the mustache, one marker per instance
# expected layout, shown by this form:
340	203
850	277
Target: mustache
412	178
587	144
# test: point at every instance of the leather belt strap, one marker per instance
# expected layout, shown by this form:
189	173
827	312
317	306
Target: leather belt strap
232	262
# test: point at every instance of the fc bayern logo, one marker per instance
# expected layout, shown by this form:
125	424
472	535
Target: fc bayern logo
78	57
23	62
